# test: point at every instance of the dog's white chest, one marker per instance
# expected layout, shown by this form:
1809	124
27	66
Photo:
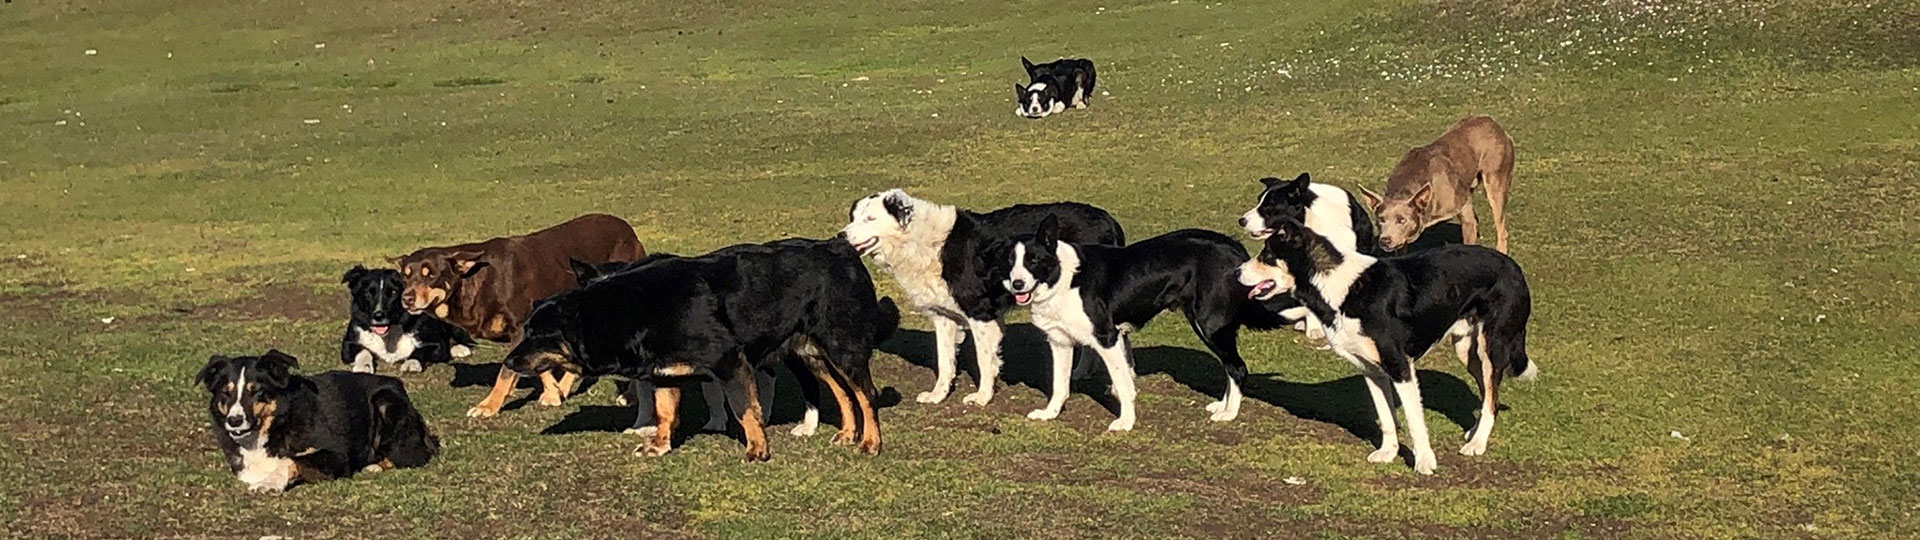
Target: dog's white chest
401	349
1063	316
1345	337
261	471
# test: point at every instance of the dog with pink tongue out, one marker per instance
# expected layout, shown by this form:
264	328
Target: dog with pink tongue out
379	328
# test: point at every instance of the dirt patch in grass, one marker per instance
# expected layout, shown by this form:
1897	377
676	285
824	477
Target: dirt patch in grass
278	301
1468	472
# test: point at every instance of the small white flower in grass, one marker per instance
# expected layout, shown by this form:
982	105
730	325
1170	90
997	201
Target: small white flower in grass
310	121
319	45
106	320
91	52
936	115
1820	318
1294	480
60	122
861	78
1677	435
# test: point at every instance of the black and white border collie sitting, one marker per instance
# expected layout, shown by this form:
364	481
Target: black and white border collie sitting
1382	314
380	328
1093	296
946	261
276	428
1054	86
1327	209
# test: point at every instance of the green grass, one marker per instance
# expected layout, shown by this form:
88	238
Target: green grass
1713	205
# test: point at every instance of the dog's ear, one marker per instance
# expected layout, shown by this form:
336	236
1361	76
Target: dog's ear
1271	181
215	365
1422	196
1026	64
1373	199
899	206
466	262
353	274
394	260
583	273
1049	231
1301	182
1019	90
277	366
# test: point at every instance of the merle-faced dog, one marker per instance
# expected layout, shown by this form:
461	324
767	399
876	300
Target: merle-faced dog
277	428
1093	296
1381	314
379	328
1054	86
948	261
678	320
1330	211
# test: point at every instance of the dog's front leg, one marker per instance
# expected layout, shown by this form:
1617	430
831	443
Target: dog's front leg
666	413
946	344
1062	371
363	362
502	386
1120	370
986	355
742	394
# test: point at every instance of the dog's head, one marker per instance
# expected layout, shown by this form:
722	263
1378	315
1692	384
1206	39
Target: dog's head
246	391
547	340
1402	216
433	274
1280	200
375	297
1035	263
879	220
1041	96
1268	273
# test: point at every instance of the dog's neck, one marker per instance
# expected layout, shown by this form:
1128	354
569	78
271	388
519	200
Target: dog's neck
1326	272
1069	260
916	251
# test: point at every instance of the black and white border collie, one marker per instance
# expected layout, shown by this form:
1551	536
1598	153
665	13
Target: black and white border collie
276	428
1382	314
1054	86
1093	296
379	328
1328	210
944	259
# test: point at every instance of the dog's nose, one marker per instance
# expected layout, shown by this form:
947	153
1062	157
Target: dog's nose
1019	285
236	421
1243	222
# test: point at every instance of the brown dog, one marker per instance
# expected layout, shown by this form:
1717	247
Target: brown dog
487	288
1435	183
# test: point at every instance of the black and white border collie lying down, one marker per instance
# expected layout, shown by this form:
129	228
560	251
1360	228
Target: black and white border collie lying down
946	260
1093	296
1328	210
378	327
1382	314
1054	86
276	428
680	320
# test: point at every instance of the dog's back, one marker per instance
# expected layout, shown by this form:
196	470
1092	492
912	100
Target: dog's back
370	420
1079	223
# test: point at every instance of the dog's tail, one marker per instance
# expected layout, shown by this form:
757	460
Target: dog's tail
889	321
1523	368
403	436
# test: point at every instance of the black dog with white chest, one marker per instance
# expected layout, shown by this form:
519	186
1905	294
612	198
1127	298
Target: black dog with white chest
277	428
380	328
1093	296
1054	86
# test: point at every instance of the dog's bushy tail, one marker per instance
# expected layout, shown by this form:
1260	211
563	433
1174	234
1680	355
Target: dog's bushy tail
1522	368
403	434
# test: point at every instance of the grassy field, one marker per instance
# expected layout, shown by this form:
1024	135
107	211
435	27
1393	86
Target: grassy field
1713	202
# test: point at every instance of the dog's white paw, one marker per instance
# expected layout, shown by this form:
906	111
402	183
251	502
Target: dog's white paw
652	450
1474	448
977	398
411	366
362	367
266	487
481	412
1425	464
460	351
1316	333
1217	406
1043	414
931	397
621	400
374	468
805	429
643	431
1224	415
1121	424
1384	455
1300	325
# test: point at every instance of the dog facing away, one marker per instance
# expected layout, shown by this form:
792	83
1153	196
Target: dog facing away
487	288
379	328
1093	296
1330	211
719	316
1382	314
1053	86
276	428
947	260
1435	183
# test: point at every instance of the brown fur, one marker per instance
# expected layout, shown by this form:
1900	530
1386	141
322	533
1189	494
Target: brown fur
488	288
1435	183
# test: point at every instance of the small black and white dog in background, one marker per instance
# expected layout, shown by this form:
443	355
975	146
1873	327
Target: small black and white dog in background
1328	210
1382	314
380	328
1093	296
1054	86
948	262
276	428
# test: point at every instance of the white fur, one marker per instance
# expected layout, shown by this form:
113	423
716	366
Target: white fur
1330	216
376	344
1061	313
262	472
239	391
459	351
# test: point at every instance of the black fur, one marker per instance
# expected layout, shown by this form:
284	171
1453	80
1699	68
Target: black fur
375	301
1283	200
973	260
332	424
1064	79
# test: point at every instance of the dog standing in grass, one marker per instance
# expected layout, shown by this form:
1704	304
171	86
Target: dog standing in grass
1435	183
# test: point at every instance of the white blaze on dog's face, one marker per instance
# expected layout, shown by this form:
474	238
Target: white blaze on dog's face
874	220
1034	273
1037	101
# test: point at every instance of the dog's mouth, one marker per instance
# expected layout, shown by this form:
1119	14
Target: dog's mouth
378	329
867	247
1263	290
1023	298
241	432
1261	234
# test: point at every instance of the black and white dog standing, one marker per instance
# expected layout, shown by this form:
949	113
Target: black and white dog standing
1383	313
1054	86
276	428
1093	296
380	328
946	260
1328	210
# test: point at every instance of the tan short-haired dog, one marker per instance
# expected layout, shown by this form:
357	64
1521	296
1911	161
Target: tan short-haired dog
1435	183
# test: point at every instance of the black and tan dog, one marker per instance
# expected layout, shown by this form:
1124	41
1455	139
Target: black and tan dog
277	428
721	316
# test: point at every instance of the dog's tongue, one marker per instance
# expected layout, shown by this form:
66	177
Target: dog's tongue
379	330
1021	298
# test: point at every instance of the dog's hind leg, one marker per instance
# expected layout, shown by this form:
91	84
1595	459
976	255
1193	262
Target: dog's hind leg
946	344
743	395
666	413
869	416
1497	184
986	354
1484	372
809	393
1469	225
1224	341
817	365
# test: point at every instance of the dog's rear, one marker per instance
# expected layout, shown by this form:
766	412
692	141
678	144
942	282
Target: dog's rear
404	440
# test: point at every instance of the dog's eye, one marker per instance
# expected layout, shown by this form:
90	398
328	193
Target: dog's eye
870	218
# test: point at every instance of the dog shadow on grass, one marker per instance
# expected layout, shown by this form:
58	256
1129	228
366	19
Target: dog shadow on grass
1342	402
